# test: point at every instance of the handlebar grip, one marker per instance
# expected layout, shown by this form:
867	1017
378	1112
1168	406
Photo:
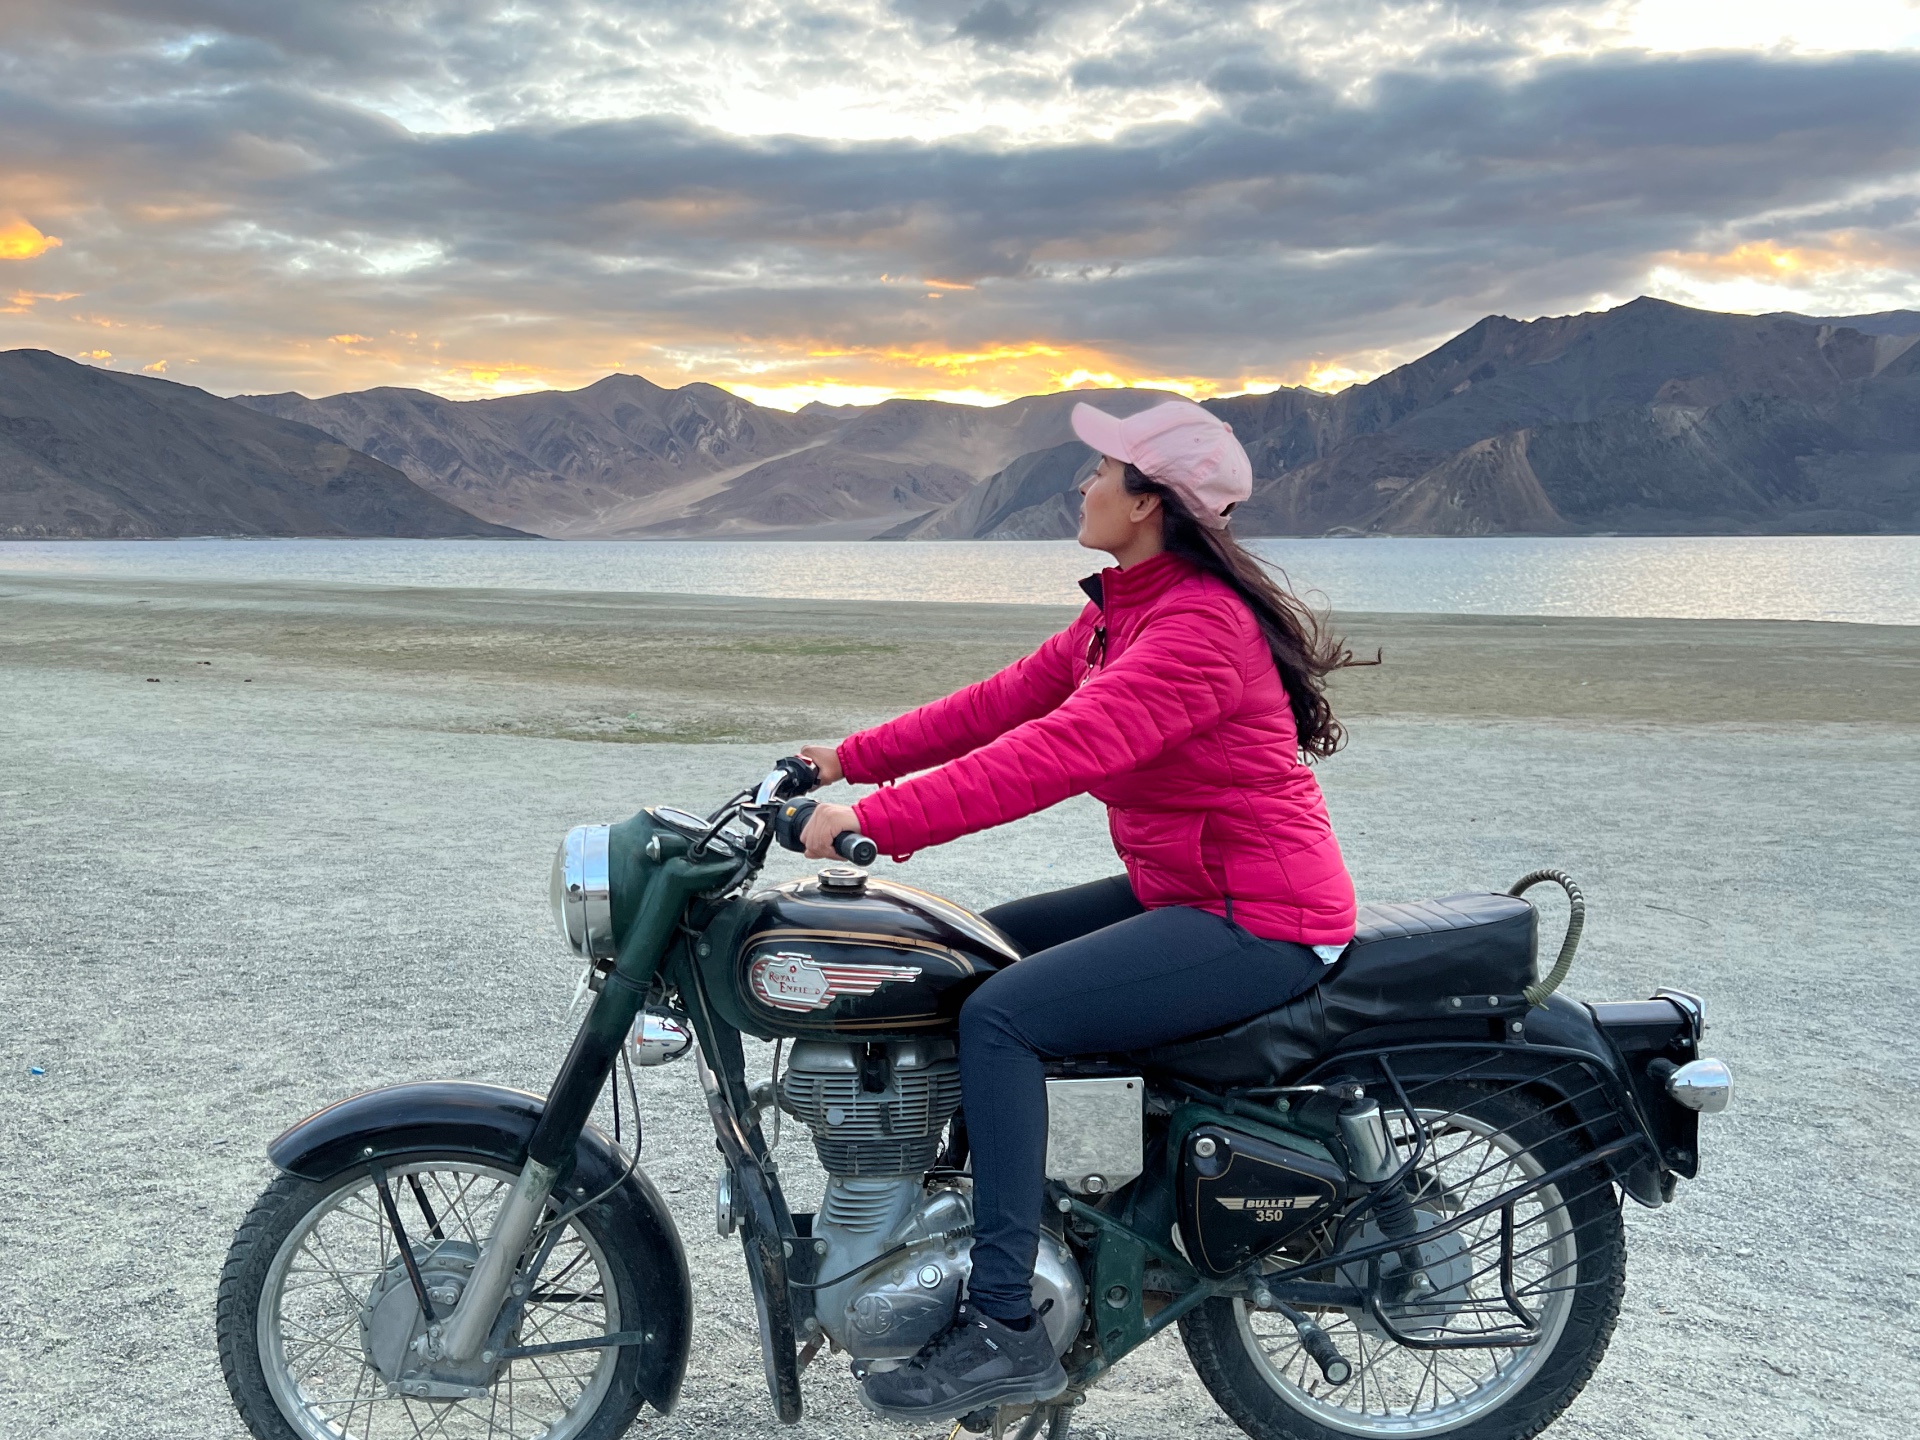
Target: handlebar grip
857	849
849	845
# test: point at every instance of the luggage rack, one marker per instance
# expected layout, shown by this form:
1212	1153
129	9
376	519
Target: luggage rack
1480	1299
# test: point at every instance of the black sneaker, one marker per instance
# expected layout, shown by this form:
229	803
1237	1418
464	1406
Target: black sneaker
975	1362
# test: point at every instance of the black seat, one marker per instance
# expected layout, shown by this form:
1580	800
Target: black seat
1407	962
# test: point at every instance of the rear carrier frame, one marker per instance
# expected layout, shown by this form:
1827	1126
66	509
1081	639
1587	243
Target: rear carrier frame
1461	1314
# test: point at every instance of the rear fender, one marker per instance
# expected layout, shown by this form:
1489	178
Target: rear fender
1652	1036
497	1123
1559	1054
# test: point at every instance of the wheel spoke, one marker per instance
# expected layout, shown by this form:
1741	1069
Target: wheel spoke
342	1254
406	1408
325	1266
541	1336
321	1343
1467	1158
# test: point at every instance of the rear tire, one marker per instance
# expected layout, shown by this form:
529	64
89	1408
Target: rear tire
262	1324
1271	1392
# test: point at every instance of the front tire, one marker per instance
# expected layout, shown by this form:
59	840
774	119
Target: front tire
1571	1274
301	1323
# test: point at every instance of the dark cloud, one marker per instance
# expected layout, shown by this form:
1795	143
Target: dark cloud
251	171
989	22
1663	147
1250	77
998	23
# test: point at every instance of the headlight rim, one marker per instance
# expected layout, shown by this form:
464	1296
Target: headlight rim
581	893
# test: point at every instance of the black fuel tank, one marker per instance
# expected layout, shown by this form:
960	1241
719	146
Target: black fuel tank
850	955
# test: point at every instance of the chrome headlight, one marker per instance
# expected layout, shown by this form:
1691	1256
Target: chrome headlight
582	907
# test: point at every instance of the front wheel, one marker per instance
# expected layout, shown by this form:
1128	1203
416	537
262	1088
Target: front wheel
317	1311
1565	1267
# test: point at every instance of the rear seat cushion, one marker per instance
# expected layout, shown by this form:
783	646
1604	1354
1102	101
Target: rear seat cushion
1405	962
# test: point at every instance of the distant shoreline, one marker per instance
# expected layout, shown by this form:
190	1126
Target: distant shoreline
638	668
1860	579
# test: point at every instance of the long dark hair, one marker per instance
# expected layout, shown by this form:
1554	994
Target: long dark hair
1304	649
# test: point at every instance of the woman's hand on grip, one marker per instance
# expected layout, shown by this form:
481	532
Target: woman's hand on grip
826	822
825	759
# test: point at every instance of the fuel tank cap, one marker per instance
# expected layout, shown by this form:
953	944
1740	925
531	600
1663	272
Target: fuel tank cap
843	880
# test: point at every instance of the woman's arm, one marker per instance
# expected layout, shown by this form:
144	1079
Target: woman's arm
967	719
1179	676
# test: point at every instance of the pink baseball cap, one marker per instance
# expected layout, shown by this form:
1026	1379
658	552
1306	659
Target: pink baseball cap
1180	445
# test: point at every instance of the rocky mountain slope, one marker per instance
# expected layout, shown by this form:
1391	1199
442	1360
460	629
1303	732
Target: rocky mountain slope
1649	418
625	457
90	453
583	462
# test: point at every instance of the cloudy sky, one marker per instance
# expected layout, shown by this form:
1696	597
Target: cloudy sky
972	199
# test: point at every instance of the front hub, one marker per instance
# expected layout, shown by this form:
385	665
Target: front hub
394	1334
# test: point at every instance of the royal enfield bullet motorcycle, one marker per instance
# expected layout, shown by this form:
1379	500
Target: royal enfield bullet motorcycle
1389	1207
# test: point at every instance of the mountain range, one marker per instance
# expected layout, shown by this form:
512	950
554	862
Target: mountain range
1650	417
625	457
1647	418
86	452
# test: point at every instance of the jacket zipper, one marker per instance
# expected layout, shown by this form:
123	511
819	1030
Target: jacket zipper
1097	649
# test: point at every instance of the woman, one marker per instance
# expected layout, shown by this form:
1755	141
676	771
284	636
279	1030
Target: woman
1186	697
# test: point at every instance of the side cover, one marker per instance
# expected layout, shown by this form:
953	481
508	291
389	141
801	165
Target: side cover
1243	1193
495	1122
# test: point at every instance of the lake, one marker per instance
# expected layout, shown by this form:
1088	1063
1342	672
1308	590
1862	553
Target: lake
1873	579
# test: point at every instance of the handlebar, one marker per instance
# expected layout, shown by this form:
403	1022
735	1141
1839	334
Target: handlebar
849	845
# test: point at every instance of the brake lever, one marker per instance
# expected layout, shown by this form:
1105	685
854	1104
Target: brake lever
791	775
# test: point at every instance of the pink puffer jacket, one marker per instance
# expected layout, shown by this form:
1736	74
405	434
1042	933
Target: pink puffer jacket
1163	701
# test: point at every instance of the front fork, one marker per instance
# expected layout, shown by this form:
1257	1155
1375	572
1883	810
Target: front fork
570	1102
467	1329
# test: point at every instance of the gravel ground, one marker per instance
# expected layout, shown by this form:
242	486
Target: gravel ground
246	888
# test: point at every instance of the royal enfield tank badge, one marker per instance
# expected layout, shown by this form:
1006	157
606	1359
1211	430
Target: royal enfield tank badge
792	980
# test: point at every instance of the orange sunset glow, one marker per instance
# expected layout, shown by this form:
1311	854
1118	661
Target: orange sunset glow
986	375
22	240
1777	261
782	374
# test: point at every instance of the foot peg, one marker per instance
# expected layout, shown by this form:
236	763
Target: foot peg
1334	1366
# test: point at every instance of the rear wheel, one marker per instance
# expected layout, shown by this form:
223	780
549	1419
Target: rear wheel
1567	1273
317	1312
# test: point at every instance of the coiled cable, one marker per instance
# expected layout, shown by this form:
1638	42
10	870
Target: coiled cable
1537	993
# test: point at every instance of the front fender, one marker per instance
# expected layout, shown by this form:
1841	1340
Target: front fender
489	1120
495	1122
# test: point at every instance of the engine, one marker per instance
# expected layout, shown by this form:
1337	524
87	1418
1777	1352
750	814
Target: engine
876	1113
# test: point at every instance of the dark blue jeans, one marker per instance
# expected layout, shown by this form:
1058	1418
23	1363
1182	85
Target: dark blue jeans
1102	975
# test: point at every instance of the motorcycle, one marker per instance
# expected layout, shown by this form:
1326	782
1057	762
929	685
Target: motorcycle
1389	1207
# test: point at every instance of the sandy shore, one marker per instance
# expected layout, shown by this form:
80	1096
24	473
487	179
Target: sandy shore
262	846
